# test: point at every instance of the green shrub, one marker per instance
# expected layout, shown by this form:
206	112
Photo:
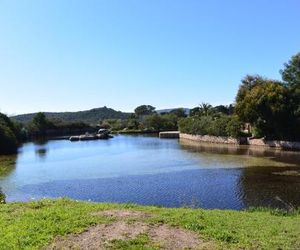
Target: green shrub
8	141
9	135
208	125
233	127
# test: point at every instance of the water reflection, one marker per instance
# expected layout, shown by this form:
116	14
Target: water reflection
41	148
7	165
268	178
270	187
41	152
261	153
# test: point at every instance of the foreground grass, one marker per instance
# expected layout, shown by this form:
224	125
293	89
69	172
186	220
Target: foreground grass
35	224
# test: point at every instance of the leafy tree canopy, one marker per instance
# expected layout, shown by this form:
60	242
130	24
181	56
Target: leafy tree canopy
291	72
178	112
144	110
265	104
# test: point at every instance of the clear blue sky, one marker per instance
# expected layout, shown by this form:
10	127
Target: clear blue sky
72	55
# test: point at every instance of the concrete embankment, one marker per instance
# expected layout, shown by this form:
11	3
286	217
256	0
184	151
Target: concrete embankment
169	134
287	145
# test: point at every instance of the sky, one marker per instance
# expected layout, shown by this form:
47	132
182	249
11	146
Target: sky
68	55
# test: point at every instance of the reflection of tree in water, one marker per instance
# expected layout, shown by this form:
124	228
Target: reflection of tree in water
271	178
40	147
7	165
41	152
269	187
263	153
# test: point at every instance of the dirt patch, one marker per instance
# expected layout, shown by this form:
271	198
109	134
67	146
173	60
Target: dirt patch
176	238
101	236
123	214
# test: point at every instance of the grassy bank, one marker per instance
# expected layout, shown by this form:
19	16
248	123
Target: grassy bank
36	224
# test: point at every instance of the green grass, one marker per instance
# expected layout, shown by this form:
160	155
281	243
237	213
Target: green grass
142	241
35	224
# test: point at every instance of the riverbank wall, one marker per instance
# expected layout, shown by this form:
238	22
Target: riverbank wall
169	134
287	145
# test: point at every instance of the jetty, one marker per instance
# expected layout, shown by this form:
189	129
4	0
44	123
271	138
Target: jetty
169	134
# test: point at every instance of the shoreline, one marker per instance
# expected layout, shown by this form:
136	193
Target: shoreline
262	143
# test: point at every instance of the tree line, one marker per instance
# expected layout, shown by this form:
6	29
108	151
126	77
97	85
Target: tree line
271	108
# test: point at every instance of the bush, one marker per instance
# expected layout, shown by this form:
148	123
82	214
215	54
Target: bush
162	122
9	135
8	141
207	125
233	127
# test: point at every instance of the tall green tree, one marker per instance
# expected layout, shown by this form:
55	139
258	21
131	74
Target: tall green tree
291	72
178	112
291	77
205	109
144	110
8	135
40	122
266	104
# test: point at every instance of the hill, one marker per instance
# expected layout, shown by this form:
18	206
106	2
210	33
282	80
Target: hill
186	110
92	116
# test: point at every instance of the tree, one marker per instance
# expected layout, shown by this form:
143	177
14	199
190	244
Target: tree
291	72
178	112
8	141
205	109
291	77
266	105
144	110
40	122
248	83
227	110
161	122
195	111
8	136
155	122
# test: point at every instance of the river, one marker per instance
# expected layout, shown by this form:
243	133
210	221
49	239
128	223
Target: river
152	171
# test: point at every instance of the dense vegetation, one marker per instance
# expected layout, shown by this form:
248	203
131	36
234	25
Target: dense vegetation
35	224
271	107
146	119
221	125
11	134
92	116
42	126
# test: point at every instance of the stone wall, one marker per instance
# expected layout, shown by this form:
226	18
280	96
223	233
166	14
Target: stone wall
169	134
245	141
209	138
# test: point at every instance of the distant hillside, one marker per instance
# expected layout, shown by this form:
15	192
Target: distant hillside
186	110
92	116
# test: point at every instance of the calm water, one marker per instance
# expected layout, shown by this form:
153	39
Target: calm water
153	171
